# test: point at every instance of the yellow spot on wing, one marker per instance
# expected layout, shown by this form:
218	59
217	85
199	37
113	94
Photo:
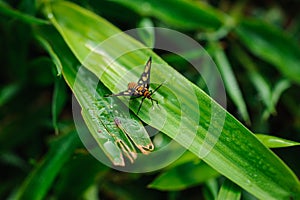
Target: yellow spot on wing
144	78
147	68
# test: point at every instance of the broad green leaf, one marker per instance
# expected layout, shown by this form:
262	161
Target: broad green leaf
271	45
111	137
184	14
236	153
275	142
42	177
184	176
229	191
229	79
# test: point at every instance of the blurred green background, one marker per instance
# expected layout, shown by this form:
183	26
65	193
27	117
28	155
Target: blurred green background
254	43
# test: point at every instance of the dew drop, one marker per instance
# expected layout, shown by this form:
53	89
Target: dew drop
50	15
248	182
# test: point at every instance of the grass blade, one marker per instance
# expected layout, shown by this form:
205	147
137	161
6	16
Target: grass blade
269	44
40	180
184	14
229	190
230	81
275	142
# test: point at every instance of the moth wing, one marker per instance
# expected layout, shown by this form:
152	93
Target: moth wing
124	93
145	77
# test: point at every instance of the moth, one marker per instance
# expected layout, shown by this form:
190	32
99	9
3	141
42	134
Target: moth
141	88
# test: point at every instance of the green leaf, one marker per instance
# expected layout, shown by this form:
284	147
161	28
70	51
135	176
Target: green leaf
184	14
229	79
236	153
54	56
275	142
269	96
58	102
229	190
92	169
146	32
5	9
187	157
184	176
279	88
210	190
271	45
42	177
8	92
110	131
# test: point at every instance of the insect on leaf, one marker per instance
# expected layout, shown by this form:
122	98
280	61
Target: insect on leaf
141	88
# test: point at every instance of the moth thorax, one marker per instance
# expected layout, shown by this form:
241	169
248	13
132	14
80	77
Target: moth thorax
132	85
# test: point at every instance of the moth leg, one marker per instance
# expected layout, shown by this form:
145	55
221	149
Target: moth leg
140	105
156	103
152	92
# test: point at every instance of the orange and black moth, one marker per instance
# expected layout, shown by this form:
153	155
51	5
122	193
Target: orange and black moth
141	88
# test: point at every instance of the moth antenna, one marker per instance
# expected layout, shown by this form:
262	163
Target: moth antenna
159	86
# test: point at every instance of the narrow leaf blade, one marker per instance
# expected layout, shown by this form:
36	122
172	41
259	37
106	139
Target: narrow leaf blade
270	44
